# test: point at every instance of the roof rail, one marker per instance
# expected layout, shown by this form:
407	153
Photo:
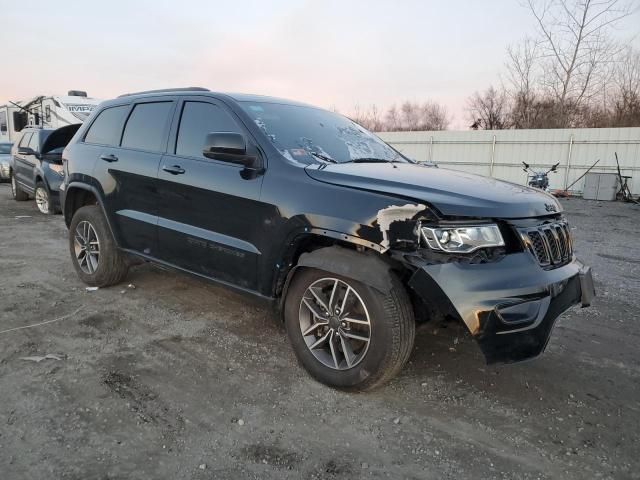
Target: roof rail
163	90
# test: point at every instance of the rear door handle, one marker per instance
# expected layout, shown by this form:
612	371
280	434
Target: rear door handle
174	170
109	158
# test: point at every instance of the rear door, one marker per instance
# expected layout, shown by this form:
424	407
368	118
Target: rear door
128	143
209	218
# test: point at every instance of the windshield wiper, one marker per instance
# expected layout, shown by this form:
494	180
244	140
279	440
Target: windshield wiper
323	157
370	160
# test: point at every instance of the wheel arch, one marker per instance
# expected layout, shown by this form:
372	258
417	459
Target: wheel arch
348	260
78	195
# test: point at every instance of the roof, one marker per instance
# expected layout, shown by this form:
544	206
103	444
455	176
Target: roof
238	97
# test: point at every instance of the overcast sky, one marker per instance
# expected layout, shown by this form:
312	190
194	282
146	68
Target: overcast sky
334	54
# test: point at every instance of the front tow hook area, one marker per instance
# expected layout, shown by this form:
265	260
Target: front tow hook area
586	285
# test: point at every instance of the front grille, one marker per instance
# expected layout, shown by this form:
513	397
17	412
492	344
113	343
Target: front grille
550	243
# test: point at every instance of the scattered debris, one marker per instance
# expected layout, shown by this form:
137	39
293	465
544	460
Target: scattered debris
624	193
131	286
202	466
43	323
396	420
565	193
91	289
38	359
22	216
240	422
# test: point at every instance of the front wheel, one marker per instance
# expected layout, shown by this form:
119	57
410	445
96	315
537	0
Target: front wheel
44	201
94	253
346	334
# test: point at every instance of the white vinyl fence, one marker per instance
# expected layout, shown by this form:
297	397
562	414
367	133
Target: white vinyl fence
500	153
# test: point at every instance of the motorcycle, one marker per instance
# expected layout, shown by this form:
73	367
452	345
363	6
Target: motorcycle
539	179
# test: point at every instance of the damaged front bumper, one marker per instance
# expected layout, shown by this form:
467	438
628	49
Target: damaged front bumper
509	306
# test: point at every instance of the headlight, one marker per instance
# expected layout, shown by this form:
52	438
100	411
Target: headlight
59	169
462	239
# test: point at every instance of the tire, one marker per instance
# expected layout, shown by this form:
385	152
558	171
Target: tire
17	194
391	330
43	200
110	265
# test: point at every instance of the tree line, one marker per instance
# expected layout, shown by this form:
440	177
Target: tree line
569	73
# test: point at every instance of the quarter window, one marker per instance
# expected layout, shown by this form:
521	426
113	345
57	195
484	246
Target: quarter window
24	141
199	119
34	143
106	129
146	127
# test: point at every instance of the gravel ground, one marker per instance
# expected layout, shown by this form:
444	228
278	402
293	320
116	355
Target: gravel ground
177	378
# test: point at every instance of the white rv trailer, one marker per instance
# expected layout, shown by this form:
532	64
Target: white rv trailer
44	111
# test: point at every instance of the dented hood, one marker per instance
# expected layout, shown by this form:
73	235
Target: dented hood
451	192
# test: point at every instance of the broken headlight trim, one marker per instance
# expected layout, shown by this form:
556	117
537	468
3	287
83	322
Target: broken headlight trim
462	239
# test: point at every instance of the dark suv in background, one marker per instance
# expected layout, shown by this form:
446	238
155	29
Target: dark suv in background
36	166
352	242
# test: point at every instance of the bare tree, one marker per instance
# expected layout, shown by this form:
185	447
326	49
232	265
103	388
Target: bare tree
410	115
369	119
522	60
392	119
434	117
626	108
488	110
576	47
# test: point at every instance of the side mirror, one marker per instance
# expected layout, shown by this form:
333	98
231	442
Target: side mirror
228	147
25	151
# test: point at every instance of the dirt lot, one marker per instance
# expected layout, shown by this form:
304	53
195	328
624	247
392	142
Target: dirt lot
176	378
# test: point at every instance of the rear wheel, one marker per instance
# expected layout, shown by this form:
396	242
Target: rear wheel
94	253
16	193
346	334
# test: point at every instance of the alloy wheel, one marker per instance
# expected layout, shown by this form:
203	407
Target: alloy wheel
335	323
42	200
87	247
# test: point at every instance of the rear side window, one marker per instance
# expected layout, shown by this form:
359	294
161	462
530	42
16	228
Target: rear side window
199	119
106	129
146	127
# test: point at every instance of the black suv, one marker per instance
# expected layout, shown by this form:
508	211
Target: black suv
36	166
349	240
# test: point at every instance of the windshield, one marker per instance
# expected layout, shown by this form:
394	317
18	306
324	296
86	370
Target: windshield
5	148
312	135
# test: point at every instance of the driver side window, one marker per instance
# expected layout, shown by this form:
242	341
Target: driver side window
196	121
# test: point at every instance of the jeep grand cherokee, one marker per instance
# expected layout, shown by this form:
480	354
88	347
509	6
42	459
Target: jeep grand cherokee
348	239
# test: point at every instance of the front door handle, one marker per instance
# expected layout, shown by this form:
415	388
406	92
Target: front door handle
174	170
109	158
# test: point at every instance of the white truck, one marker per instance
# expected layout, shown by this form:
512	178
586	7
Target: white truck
44	111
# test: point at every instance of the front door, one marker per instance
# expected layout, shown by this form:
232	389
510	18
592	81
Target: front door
210	216
23	165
